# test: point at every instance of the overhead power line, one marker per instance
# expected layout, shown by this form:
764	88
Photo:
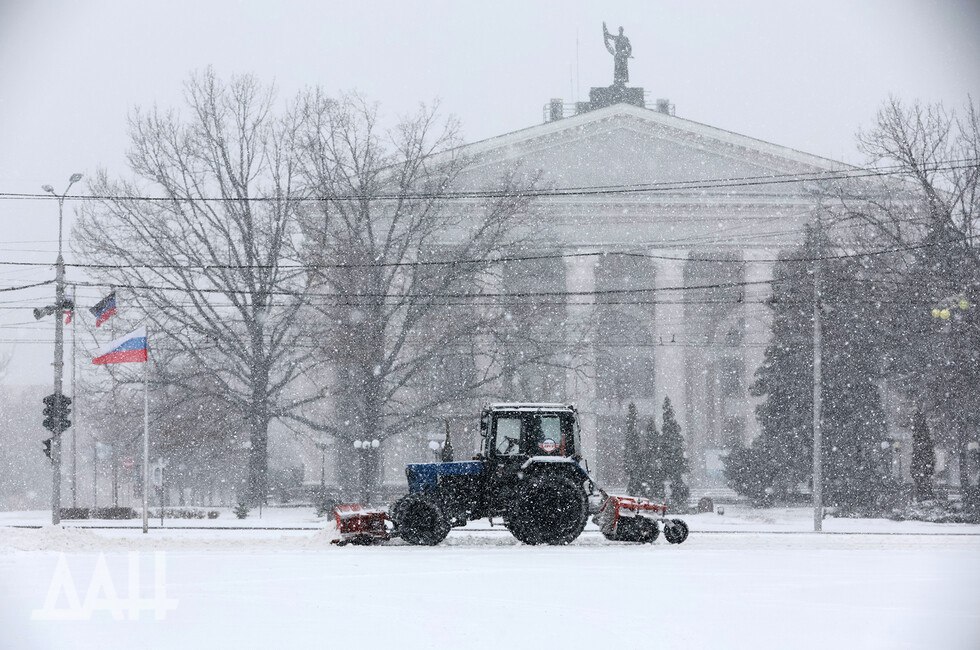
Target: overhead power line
27	286
596	190
491	261
475	294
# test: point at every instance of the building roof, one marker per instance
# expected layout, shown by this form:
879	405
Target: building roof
625	112
625	145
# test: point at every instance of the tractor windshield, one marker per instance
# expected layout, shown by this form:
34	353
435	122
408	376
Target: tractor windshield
507	434
532	434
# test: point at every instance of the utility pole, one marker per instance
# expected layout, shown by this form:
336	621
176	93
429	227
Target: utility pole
817	396
59	351
74	397
95	473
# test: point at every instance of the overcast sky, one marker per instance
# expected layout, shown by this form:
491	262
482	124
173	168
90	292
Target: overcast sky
801	74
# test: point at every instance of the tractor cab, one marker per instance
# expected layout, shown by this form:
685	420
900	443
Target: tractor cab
513	435
513	430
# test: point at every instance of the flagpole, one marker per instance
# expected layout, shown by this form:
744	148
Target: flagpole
146	435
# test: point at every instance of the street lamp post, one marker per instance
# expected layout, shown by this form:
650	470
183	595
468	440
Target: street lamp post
59	344
957	314
887	462
817	401
973	449
436	447
366	446
894	450
321	445
897	446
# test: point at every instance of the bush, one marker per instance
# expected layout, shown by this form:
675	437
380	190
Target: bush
324	504
74	513
937	511
705	504
750	472
971	501
185	513
113	513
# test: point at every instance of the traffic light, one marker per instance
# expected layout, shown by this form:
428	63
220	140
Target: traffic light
57	407
47	448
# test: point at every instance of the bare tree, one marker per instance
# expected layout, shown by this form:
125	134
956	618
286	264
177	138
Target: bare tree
932	189
927	212
194	428
207	262
407	277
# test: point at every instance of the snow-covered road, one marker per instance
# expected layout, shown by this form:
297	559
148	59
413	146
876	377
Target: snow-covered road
260	589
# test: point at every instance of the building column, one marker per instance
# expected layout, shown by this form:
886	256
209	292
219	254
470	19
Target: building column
580	332
758	327
669	336
490	281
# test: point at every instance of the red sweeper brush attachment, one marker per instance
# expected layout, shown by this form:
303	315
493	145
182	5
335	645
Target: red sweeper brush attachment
359	525
636	519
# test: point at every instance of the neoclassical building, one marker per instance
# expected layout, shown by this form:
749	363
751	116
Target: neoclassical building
689	218
665	255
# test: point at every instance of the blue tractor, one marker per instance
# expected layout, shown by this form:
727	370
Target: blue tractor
529	473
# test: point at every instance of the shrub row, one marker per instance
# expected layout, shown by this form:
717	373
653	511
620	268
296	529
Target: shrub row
98	513
184	513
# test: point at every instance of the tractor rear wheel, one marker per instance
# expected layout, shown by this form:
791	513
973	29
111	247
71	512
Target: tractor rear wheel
549	509
419	520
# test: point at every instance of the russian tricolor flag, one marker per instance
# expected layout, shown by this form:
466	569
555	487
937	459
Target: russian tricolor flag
127	349
105	310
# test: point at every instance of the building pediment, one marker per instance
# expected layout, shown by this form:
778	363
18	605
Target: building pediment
625	145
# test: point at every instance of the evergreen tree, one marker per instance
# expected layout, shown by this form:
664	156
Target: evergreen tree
752	471
652	485
241	510
633	458
671	455
923	457
780	461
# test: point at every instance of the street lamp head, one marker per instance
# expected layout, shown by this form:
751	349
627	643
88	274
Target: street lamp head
375	443
75	177
48	189
357	444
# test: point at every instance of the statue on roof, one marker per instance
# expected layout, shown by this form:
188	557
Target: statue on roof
621	50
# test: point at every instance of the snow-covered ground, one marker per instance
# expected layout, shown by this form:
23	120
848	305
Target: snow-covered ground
749	579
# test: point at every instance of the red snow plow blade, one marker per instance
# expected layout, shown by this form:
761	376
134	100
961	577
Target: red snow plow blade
636	519
359	525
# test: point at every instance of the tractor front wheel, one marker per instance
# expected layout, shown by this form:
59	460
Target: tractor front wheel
419	520
549	509
675	531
